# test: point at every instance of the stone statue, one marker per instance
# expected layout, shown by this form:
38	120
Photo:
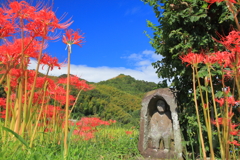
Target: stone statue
161	127
160	135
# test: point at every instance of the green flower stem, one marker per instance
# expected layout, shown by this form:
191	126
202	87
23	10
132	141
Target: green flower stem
198	117
35	77
67	107
39	115
25	107
216	114
17	127
7	107
208	126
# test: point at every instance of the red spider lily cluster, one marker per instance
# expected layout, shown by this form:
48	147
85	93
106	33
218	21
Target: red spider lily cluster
228	63
86	127
218	1
33	103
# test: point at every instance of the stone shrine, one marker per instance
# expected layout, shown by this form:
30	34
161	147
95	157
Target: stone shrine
159	135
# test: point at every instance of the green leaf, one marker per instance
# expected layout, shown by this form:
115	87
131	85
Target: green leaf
194	18
202	73
219	94
205	6
17	136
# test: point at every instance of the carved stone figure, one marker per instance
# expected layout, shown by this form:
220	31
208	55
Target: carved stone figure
159	135
161	127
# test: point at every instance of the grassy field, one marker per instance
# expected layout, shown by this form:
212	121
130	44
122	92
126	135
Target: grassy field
107	142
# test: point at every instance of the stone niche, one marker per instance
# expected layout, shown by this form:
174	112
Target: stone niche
160	122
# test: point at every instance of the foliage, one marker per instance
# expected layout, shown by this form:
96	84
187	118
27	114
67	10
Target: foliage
186	26
130	85
109	103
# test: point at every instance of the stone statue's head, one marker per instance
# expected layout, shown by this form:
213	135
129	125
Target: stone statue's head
161	106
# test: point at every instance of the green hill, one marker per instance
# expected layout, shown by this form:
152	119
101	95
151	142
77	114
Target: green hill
118	98
130	85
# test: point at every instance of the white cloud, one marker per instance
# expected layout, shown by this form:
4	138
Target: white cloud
132	11
143	69
143	63
144	57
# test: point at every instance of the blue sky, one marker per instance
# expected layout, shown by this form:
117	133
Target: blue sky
115	39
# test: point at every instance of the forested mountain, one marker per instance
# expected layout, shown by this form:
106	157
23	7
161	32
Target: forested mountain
118	98
130	85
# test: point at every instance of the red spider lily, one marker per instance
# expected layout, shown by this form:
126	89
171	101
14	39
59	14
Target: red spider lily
61	98
51	84
15	75
210	59
128	132
112	121
228	75
87	126
51	62
218	1
85	135
2	101
205	105
93	122
231	40
10	53
234	142
234	132
192	58
6	27
45	21
48	130
222	58
220	101
233	126
220	121
3	114
73	37
59	94
230	100
79	84
51	111
20	9
76	82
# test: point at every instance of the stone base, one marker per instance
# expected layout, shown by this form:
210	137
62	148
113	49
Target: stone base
151	154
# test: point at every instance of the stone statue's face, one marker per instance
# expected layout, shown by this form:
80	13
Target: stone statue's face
161	106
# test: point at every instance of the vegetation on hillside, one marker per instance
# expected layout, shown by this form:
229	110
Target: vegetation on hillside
118	98
130	85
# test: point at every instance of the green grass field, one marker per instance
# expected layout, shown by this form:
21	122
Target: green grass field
109	142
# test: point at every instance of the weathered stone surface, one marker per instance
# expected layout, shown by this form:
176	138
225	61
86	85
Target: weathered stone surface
159	126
